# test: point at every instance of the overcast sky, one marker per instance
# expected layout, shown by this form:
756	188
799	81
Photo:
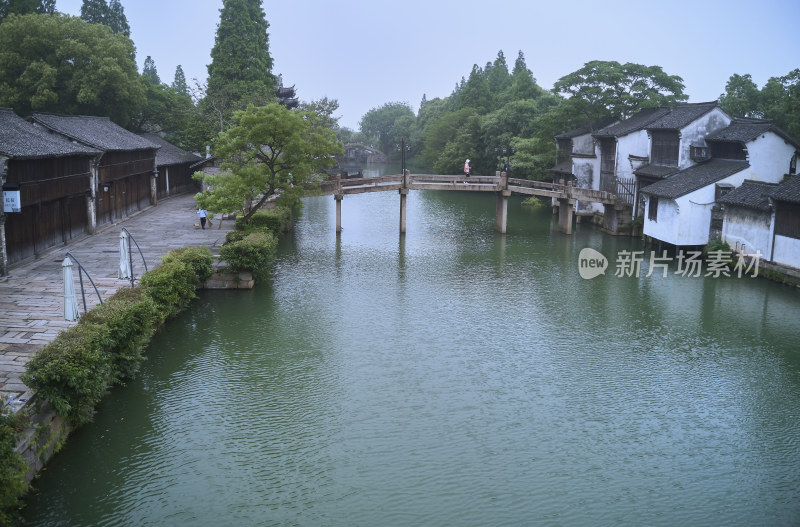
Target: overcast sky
365	54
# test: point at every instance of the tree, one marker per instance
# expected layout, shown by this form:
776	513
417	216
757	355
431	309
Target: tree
57	63
523	85
240	72
149	71
94	11
115	18
269	151
380	123
741	97
179	85
26	7
608	89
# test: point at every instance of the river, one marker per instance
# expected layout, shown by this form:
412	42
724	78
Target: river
452	376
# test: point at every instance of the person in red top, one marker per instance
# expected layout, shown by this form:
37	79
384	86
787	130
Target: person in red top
467	168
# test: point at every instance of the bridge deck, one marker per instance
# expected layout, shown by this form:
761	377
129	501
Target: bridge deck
463	183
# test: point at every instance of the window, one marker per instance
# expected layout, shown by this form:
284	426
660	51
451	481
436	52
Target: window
608	160
793	164
652	210
728	150
787	219
666	145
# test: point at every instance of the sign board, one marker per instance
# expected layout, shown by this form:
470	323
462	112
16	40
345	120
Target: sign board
12	201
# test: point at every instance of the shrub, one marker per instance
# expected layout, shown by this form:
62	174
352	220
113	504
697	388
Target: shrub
253	253
131	317
72	371
12	468
275	220
199	259
171	285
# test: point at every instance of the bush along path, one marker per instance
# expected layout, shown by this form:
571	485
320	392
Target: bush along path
71	374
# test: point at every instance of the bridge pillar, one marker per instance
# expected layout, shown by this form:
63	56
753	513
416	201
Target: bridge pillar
403	196
565	215
338	198
501	218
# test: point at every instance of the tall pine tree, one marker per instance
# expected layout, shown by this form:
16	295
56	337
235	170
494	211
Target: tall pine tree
25	7
109	14
179	85
240	72
149	71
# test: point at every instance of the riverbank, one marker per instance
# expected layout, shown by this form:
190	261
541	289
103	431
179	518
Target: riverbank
31	297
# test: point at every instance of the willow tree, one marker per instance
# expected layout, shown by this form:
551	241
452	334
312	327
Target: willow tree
268	152
240	72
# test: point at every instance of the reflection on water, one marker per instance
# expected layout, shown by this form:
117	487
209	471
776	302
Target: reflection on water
451	376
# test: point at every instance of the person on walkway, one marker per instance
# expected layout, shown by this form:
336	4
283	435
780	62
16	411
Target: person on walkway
467	168
202	213
505	167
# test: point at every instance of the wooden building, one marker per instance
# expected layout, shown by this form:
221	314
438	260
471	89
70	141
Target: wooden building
124	179
46	182
175	167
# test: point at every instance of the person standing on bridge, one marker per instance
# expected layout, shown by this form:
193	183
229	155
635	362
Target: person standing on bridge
505	167
467	168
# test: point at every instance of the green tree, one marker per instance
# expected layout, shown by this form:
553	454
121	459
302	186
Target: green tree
523	84
179	85
57	63
603	89
26	7
269	151
115	18
741	97
149	71
381	123
475	93
94	11
240	72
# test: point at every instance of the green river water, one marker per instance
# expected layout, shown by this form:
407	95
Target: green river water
452	376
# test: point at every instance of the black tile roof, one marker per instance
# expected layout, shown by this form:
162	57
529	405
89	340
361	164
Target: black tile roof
682	115
694	178
19	139
98	132
584	129
743	130
632	124
170	154
789	190
655	171
751	194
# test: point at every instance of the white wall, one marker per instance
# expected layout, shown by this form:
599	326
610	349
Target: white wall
583	144
694	134
687	219
769	156
787	251
635	144
748	228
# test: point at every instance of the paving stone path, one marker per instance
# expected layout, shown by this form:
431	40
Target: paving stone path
32	295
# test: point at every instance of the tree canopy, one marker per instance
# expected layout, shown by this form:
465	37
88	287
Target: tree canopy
240	72
26	7
268	151
61	64
608	89
778	99
386	124
110	14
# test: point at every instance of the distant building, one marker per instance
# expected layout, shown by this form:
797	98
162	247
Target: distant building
175	167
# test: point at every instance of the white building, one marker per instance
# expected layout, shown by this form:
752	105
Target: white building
678	208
